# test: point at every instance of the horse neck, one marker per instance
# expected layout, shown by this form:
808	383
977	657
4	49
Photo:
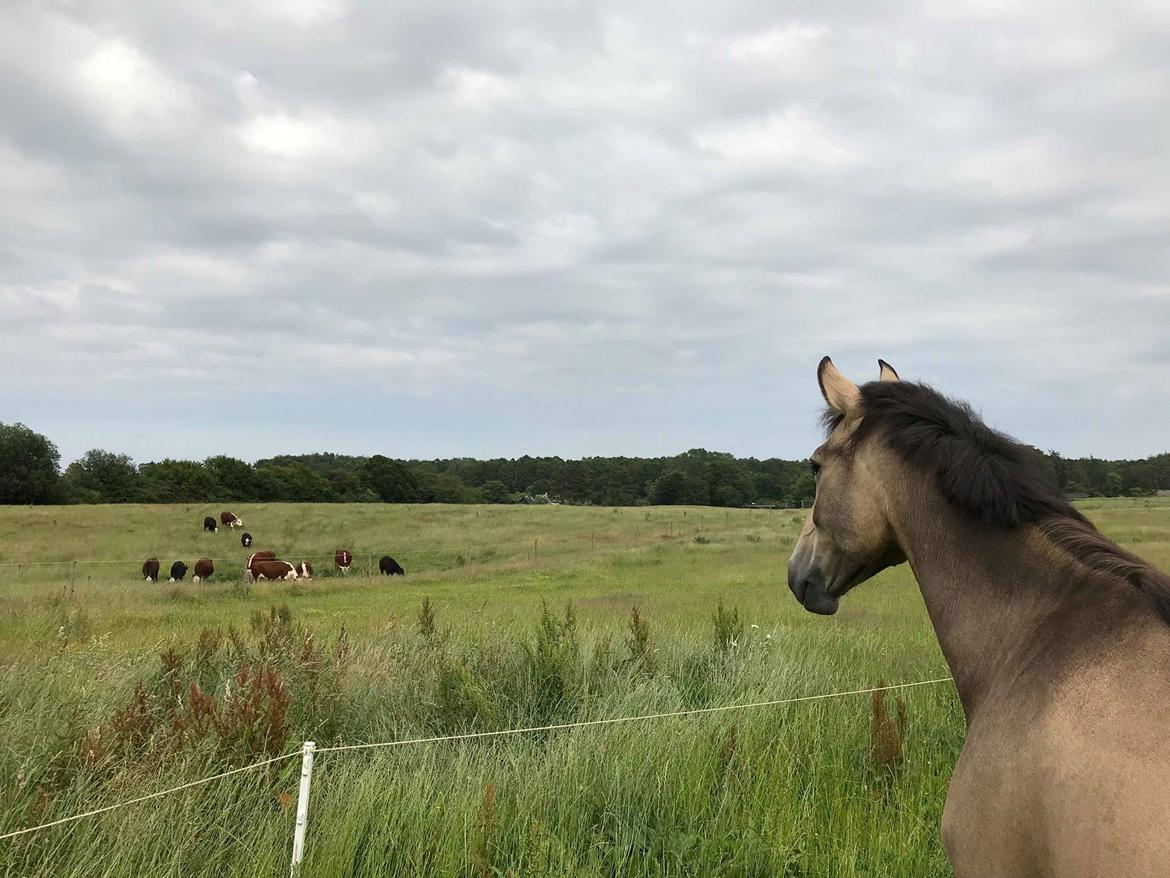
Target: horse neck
991	592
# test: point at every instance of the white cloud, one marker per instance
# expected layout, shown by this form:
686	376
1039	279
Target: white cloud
615	215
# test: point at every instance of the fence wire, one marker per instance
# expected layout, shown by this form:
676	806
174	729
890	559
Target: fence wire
467	736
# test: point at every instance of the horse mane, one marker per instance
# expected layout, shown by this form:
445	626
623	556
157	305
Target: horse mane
990	477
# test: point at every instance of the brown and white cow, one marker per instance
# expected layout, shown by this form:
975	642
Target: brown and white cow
203	569
228	519
272	569
150	570
343	559
305	570
256	557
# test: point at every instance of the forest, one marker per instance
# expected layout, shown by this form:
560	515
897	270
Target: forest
31	472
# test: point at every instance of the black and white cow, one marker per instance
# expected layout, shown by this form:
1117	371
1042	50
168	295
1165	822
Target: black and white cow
246	539
178	571
210	525
389	567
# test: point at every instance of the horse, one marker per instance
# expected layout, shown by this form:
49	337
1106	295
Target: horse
1058	640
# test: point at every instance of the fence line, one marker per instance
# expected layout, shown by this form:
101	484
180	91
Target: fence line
114	807
628	719
468	736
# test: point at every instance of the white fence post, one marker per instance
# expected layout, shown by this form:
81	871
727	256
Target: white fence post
302	806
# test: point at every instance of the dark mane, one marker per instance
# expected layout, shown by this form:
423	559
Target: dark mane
989	476
981	471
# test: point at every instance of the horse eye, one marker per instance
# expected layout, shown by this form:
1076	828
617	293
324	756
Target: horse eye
815	467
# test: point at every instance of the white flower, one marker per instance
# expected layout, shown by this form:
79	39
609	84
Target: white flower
754	626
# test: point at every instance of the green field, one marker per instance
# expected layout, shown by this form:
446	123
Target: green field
112	688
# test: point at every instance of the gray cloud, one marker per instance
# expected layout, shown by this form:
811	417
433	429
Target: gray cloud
428	228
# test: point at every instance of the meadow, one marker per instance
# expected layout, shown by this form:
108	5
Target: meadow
509	616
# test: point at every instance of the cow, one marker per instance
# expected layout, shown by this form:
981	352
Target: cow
150	570
210	525
178	571
272	569
305	570
256	557
227	519
389	567
246	539
343	559
203	569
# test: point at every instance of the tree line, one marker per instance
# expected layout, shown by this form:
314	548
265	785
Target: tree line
30	472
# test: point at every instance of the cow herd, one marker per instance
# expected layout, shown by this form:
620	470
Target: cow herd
260	565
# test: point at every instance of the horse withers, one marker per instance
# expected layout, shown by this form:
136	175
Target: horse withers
1058	640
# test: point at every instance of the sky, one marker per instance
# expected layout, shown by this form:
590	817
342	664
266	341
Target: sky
436	228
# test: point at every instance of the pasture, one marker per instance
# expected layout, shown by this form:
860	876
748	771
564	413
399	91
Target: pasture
508	616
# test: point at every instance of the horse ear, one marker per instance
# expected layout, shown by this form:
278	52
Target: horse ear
886	372
840	393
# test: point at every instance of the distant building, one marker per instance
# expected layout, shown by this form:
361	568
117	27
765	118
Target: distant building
1162	492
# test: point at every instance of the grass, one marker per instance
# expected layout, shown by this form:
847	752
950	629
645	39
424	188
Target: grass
112	687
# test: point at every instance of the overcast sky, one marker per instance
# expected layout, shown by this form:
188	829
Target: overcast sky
444	228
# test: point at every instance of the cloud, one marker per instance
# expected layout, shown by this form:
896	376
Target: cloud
439	229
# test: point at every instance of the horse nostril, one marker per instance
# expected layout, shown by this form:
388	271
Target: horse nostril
797	584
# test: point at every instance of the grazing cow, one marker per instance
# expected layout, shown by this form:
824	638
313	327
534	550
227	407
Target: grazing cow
178	571
389	567
203	569
305	570
271	569
150	570
227	519
254	558
343	559
246	540
210	525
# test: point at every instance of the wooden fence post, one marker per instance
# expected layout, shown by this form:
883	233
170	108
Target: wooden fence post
298	852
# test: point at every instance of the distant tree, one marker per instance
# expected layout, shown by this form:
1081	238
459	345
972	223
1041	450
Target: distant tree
446	488
1113	485
348	488
729	483
103	477
292	483
390	480
804	489
678	488
30	466
234	479
176	481
494	491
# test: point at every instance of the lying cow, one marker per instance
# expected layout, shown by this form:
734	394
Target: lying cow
343	559
305	570
210	525
272	569
389	567
246	539
150	570
227	519
203	569
178	571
